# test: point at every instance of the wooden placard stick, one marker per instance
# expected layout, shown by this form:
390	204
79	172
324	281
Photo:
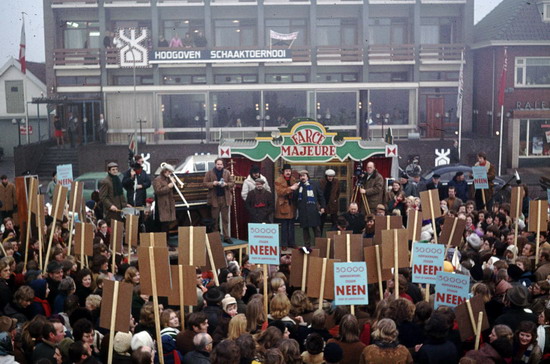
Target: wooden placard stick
483	198
433	217
265	288
348	259
182	296
31	198
538	220
537	241
113	321
83	261
517	193
39	225
395	264
156	301
379	272
304	271
131	229
212	263
471	315
478	330
322	288
453	228
117	233
328	248
60	196
75	202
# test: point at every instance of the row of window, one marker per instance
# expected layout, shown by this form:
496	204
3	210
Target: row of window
243	32
175	79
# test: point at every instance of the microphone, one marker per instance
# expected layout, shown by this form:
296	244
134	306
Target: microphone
518	179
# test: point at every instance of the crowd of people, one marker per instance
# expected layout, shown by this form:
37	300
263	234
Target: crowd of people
52	316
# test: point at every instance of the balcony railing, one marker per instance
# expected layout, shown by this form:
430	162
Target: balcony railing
441	53
74	3
287	2
443	1
339	54
234	2
392	1
87	57
179	2
127	3
389	53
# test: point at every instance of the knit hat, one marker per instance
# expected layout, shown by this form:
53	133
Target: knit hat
228	300
380	207
141	339
517	295
515	272
64	346
513	249
122	342
213	296
474	240
330	173
333	353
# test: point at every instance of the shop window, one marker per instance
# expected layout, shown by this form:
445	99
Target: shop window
534	138
336	108
183	111
282	106
532	71
389	107
232	109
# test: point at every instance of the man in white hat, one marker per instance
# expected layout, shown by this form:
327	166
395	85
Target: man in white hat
331	191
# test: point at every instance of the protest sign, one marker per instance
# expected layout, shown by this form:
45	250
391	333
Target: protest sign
427	261
451	289
452	231
414	224
326	247
481	182
192	245
385	223
350	283
348	247
263	243
300	265
466	314
65	175
431	207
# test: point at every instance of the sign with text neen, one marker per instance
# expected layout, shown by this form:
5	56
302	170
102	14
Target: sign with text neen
427	261
263	241
65	175
451	289
350	283
481	182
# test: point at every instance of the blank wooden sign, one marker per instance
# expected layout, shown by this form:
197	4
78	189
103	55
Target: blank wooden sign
517	201
218	253
314	275
162	270
385	223
355	251
325	246
123	306
153	239
75	197
332	234
132	225
414	224
58	202
372	272
538	216
117	229
430	204
388	248
84	239
296	273
189	286
453	230
192	240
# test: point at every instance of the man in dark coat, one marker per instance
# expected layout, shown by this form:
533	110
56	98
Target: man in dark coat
331	191
259	203
436	184
111	194
311	204
219	183
461	186
355	219
213	310
136	177
165	205
409	188
516	299
203	348
372	187
7	197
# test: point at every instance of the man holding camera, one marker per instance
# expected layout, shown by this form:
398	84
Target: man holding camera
136	182
372	186
219	183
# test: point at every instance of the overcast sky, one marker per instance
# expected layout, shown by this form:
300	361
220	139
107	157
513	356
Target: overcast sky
10	26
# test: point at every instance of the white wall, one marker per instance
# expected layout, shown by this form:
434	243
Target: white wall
33	90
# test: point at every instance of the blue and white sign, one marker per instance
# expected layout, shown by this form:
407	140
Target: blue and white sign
350	284
65	175
263	243
451	289
427	261
481	182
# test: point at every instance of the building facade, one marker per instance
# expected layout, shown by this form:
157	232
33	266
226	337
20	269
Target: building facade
357	67
522	30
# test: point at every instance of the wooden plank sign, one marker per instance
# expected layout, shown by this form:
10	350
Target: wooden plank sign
59	201
453	230
218	254
332	234
430	204
389	240
84	239
414	224
300	266
326	247
153	239
517	201
373	266
385	223
352	254
315	278
189	286
32	194
132	229
162	270
117	228
465	316
538	216
75	197
192	245
123	307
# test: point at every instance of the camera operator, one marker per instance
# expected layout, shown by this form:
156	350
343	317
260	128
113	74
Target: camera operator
136	182
371	185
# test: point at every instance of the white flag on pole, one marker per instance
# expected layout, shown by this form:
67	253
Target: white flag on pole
282	36
460	95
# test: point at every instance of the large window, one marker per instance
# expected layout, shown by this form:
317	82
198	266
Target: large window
186	30
337	32
532	71
183	111
534	138
389	107
233	109
286	26
282	106
336	108
81	34
235	33
388	31
440	30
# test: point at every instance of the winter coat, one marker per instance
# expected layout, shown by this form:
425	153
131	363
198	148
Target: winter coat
491	174
7	196
332	199
165	204
6	294
461	188
356	222
249	184
381	353
128	184
108	198
259	204
433	352
374	189
285	208
171	354
211	197
196	357
486	354
308	214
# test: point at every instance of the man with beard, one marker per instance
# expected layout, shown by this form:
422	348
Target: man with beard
219	183
331	191
372	187
111	194
259	203
311	204
285	208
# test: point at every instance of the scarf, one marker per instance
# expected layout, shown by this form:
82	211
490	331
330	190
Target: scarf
219	189
527	354
309	193
45	305
328	190
117	185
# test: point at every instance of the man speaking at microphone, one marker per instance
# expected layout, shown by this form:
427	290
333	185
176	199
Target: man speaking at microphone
165	205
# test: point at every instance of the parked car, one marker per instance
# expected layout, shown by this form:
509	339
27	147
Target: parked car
447	172
92	182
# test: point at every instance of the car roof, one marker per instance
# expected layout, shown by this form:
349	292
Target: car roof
92	175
